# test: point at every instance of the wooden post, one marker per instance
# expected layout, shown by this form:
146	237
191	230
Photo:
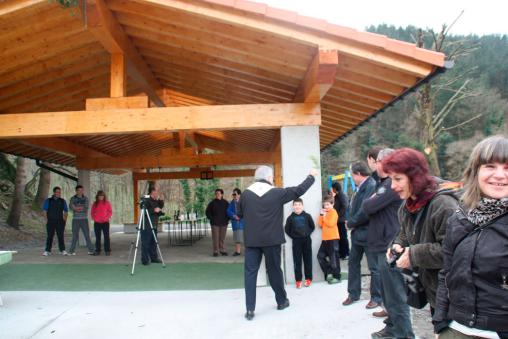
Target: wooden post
136	198
118	83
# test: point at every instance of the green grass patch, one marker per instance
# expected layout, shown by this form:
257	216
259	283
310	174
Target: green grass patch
117	277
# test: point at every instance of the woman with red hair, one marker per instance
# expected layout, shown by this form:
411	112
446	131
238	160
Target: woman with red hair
423	217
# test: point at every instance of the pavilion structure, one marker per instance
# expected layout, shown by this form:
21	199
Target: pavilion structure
130	85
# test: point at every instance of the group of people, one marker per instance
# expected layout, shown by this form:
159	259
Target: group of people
56	210
219	212
414	228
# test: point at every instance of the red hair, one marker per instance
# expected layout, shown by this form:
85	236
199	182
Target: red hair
413	164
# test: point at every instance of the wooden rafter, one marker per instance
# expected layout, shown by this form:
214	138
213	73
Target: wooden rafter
106	29
319	78
158	119
177	160
194	173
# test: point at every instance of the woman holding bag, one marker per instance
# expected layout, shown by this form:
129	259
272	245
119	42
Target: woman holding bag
472	299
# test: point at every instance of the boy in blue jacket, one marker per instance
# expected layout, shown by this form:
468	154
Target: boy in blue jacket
299	226
236	222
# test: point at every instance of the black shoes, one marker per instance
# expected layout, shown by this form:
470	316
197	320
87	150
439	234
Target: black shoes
224	253
382	334
236	254
215	254
108	254
249	315
157	261
284	305
146	263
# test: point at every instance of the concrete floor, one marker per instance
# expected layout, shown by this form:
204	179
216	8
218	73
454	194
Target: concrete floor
315	312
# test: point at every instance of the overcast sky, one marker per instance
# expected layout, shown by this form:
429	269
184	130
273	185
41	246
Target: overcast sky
480	16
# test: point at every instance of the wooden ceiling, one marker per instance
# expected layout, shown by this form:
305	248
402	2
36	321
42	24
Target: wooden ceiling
197	53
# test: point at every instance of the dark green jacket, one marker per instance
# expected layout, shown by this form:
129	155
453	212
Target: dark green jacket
426	254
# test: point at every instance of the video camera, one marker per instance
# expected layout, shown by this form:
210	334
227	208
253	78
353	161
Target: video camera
145	204
394	256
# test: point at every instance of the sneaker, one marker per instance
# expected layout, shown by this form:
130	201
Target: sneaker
91	253
46	253
307	283
236	254
329	277
64	252
298	284
224	253
333	281
71	253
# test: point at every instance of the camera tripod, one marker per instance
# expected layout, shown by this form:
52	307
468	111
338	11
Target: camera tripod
140	228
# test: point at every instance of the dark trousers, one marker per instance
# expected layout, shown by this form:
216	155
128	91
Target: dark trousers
218	237
253	256
148	246
302	249
343	241
59	227
328	258
355	275
99	229
393	293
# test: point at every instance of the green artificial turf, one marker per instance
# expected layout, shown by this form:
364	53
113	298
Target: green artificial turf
117	277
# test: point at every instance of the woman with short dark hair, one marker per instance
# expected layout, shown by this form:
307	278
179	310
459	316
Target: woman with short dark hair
472	299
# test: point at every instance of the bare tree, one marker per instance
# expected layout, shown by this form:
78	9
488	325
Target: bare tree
429	116
19	193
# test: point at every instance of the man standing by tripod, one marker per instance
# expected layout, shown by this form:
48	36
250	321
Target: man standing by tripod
154	207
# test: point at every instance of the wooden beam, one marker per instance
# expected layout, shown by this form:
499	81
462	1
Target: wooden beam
10	7
194	160
99	104
106	29
118	83
319	78
63	146
194	173
228	117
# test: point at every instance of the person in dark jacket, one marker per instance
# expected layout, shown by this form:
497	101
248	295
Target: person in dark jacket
472	296
56	215
261	207
148	238
299	227
427	207
236	222
384	225
217	213
340	204
358	223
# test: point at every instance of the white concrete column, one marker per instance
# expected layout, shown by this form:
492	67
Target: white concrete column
300	151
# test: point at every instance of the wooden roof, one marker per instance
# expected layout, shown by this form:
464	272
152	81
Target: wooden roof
208	52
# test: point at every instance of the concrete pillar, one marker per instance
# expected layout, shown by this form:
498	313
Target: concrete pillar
300	151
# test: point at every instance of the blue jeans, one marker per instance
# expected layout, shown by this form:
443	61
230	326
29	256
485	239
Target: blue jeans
354	284
393	292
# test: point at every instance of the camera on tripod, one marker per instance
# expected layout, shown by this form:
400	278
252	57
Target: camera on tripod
144	203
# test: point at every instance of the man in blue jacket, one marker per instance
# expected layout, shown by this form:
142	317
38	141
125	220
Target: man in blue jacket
261	207
358	223
236	221
384	226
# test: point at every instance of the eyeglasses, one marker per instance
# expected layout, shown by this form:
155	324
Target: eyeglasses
234	194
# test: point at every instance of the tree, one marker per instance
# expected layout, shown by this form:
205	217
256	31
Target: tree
43	187
19	194
431	113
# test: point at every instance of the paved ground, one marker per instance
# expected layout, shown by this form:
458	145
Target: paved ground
315	312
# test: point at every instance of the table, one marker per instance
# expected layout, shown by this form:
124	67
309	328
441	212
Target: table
186	232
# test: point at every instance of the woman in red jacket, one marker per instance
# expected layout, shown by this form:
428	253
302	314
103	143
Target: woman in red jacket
101	213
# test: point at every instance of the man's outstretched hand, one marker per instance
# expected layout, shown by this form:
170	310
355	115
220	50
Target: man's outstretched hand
313	172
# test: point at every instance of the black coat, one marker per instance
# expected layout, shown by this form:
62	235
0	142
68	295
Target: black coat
261	206
340	204
357	216
383	218
299	225
217	212
473	286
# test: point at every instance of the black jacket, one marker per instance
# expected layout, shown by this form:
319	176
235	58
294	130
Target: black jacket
261	206
299	225
217	212
383	219
340	204
357	217
150	205
473	286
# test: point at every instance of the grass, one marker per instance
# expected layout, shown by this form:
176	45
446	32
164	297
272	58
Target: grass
117	277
